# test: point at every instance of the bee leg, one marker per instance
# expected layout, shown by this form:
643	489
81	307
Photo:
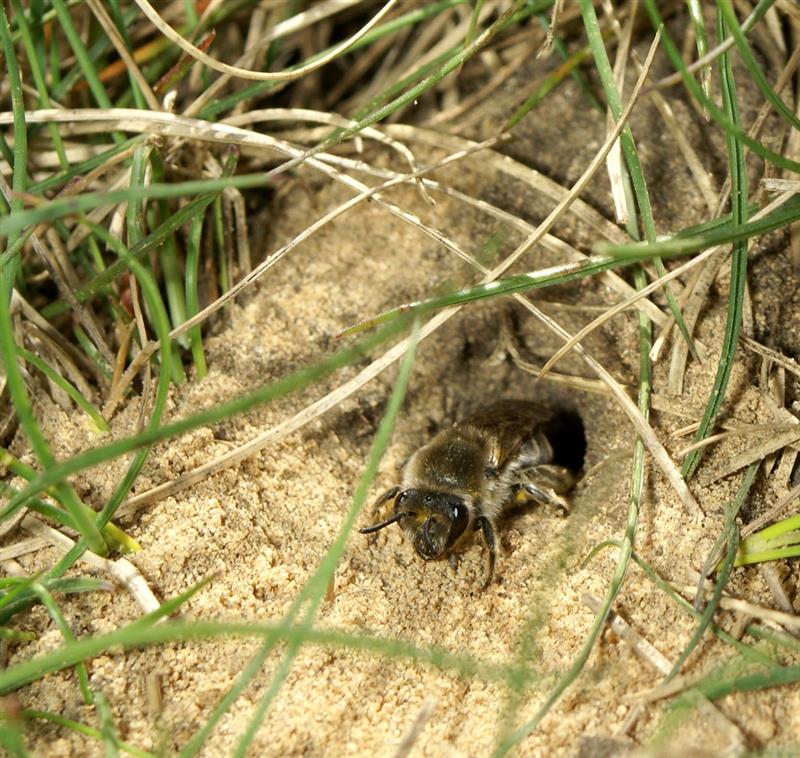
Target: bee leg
390	494
504	348
487	531
546	483
452	559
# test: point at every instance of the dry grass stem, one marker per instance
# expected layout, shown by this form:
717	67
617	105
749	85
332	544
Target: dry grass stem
615	164
416	728
625	305
105	21
638	644
261	76
735	431
292	25
756	453
755	129
780	359
776	587
84	315
790	621
22	547
121	570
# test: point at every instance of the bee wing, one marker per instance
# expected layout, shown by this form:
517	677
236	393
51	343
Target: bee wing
509	423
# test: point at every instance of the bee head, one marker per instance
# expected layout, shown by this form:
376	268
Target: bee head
434	520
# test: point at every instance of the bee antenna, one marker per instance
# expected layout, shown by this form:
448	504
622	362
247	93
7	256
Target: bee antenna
384	524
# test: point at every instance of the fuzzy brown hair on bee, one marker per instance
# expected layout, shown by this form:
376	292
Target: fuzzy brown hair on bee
467	476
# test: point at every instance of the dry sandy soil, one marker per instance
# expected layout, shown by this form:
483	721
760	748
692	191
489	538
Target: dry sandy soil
262	527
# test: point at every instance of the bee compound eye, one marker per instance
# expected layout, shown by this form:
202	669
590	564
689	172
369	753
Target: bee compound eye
458	523
458	509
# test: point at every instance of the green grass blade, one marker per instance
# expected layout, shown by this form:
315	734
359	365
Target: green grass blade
477	5
412	18
738	263
116	15
111	533
34	63
11	737
108	730
626	547
19	594
776	530
151	241
100	423
776	676
49	603
68	206
776	639
84	167
85	61
84	729
136	218
24	672
778	541
169	260
67	586
746	651
192	294
314	590
749	60
454	62
551	81
14	635
748	555
92	353
717	234
19	159
730	534
637	471
733	129
547	277
577	75
218	235
695	8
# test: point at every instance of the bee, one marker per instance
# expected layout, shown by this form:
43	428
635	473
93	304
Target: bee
467	476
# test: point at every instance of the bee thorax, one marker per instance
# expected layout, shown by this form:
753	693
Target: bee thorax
454	461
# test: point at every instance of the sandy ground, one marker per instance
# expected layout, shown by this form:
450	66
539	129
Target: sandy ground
262	527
